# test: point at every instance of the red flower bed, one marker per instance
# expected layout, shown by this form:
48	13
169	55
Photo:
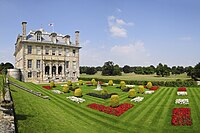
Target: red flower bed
182	89
154	88
47	87
181	117
109	110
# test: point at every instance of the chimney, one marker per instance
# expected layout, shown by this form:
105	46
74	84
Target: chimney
24	30
68	39
77	37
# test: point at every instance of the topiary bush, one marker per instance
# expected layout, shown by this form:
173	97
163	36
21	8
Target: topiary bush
122	83
52	84
80	82
104	92
114	101
93	80
66	89
132	93
94	83
149	85
78	92
110	83
69	83
141	89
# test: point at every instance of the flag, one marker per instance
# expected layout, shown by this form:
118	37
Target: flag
51	24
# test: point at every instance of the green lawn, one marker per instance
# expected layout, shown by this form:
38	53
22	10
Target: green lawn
59	114
132	76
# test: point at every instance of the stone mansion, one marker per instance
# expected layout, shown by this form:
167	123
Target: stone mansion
41	56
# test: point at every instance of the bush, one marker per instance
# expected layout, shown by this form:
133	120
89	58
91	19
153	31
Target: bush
132	93
52	84
104	92
78	92
93	80
149	85
94	83
110	83
122	87
65	89
69	83
122	83
80	82
141	89
114	101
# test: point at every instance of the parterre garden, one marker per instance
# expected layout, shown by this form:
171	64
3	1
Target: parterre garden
149	109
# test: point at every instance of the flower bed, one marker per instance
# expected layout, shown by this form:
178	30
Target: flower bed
76	99
181	117
109	110
182	89
137	99
182	101
47	87
181	93
149	92
154	88
105	96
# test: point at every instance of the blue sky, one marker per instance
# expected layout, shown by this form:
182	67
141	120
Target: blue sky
129	32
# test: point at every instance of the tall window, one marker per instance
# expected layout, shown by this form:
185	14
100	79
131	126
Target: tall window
67	64
39	36
67	52
38	74
74	52
59	51
29	49
74	64
38	50
53	51
29	64
47	50
38	64
29	74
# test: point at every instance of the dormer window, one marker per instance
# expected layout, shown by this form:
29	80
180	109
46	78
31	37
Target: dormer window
38	35
53	37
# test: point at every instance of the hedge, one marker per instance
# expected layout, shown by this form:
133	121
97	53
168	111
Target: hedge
186	83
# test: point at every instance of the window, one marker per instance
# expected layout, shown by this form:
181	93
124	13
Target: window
38	74
29	49
74	52
53	51
74	64
74	74
29	74
67	64
38	50
38	64
47	50
67	52
59	51
29	64
39	36
54	39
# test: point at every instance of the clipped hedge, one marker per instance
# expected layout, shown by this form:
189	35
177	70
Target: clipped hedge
114	101
186	83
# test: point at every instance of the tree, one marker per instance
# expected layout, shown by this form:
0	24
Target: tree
126	69
99	68
116	70
162	70
91	70
189	70
4	67
109	69
196	71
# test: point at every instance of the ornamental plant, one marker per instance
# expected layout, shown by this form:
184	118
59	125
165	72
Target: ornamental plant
93	80
141	89
80	82
149	85
78	92
69	83
65	89
104	92
114	101
132	93
52	84
123	87
94	83
122	83
110	83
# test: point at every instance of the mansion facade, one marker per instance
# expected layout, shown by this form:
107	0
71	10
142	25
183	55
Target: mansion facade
43	56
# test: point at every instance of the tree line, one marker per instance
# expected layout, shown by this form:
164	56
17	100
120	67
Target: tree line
163	70
4	67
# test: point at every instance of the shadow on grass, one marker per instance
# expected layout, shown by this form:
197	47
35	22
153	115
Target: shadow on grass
22	116
13	90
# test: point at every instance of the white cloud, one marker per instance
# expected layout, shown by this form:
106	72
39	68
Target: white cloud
117	26
186	38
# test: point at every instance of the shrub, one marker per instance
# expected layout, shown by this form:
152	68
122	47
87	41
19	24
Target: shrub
149	85
122	87
132	93
141	89
104	92
114	101
65	89
80	82
122	83
69	83
52	84
110	83
93	80
78	92
94	83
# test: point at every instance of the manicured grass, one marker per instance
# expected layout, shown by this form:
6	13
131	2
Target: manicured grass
59	114
132	76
